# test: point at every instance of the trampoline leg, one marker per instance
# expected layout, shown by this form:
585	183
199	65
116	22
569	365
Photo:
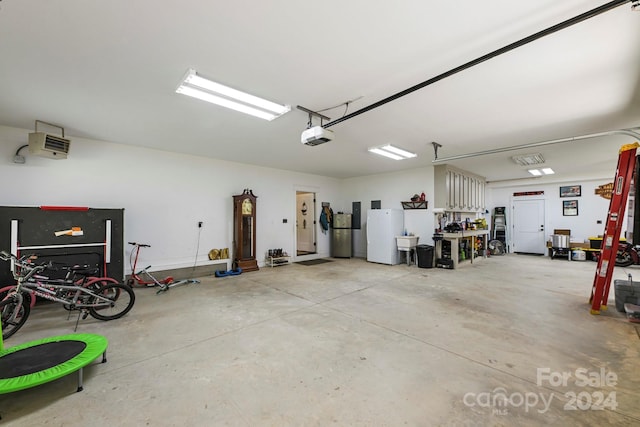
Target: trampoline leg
80	388
104	357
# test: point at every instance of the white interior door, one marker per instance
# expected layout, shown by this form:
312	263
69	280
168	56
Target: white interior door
528	226
305	223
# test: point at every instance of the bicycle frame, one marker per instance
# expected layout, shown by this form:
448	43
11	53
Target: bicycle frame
50	289
51	292
38	286
102	299
86	281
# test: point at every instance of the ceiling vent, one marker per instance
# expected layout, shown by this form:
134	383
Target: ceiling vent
528	159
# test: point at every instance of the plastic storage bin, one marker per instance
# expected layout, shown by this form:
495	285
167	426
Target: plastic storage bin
627	291
596	242
425	256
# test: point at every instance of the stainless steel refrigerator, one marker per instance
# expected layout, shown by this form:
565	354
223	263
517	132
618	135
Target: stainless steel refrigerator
341	236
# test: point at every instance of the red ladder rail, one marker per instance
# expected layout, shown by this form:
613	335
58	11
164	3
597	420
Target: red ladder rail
613	227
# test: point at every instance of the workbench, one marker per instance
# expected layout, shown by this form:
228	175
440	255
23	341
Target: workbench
455	238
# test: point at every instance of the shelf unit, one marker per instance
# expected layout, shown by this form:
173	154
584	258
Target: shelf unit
277	261
500	225
420	204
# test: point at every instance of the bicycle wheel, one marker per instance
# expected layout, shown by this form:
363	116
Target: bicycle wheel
122	298
7	309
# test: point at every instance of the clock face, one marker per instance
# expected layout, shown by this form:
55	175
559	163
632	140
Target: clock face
247	207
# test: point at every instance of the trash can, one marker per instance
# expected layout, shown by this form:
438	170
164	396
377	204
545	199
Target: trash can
626	291
425	256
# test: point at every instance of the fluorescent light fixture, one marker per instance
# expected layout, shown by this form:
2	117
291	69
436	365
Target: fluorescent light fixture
385	153
216	93
399	151
392	152
544	171
528	159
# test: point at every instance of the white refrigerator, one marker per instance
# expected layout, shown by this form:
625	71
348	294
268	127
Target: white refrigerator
383	225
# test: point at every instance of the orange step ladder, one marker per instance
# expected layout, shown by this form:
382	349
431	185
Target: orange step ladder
613	227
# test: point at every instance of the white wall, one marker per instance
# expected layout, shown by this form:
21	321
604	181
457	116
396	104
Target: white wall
591	207
391	189
164	195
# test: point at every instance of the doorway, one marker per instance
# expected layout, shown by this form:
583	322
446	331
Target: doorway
528	226
305	223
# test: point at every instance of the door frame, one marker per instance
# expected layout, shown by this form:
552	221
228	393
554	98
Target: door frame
510	230
315	223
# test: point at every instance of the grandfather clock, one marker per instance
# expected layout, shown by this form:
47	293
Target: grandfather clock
244	231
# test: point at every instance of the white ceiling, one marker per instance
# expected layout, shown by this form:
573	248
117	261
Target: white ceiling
108	70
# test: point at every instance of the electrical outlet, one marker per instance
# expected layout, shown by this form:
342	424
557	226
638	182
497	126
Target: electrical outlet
199	224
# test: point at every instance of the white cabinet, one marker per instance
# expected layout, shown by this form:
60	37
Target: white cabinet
458	190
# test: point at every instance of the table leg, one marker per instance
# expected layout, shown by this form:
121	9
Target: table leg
454	252
484	245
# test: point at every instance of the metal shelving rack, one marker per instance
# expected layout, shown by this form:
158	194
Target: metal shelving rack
499	225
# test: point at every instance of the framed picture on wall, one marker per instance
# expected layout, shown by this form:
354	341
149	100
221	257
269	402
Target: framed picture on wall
570	207
571	191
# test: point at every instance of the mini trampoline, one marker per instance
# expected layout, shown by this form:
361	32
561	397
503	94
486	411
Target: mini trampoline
41	361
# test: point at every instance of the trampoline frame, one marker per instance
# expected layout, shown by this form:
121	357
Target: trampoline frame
95	345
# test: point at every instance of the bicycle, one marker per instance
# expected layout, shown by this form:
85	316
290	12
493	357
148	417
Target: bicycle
80	274
102	301
136	277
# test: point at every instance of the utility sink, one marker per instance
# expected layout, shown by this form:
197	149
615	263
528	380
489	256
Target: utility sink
407	242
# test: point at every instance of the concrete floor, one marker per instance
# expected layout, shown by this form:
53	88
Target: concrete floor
356	344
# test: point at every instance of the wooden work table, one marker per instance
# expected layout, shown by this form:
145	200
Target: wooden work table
455	238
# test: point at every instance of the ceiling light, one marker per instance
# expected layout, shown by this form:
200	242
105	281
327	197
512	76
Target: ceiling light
216	93
392	152
528	159
385	153
399	151
538	172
